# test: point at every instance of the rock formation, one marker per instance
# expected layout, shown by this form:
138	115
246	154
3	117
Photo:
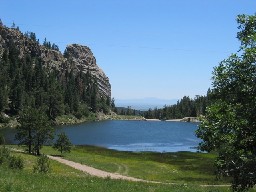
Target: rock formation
83	60
76	57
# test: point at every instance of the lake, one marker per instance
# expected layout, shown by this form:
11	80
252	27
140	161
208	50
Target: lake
157	136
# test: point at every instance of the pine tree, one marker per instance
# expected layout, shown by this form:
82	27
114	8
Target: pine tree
34	129
63	143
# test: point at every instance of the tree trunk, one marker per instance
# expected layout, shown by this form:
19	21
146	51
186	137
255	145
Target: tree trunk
29	142
37	147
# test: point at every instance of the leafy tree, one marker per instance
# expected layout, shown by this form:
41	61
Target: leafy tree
34	130
63	143
229	126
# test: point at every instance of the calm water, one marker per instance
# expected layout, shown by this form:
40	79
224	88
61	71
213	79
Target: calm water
131	135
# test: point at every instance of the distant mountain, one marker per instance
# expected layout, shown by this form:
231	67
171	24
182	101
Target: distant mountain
145	103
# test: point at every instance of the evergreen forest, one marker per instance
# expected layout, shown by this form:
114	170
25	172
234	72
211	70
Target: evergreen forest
26	82
186	107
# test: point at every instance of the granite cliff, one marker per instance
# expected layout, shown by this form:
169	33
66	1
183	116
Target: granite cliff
76	57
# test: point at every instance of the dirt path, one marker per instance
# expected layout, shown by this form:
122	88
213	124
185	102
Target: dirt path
96	172
104	174
92	171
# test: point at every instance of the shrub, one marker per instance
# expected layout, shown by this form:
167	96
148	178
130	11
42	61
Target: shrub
3	119
42	164
2	139
4	154
16	162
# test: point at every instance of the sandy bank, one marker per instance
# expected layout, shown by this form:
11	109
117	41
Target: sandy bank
174	120
152	120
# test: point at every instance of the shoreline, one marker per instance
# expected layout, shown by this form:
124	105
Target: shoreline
153	120
174	120
72	120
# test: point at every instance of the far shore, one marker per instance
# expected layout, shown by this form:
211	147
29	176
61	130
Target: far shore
72	120
174	120
152	120
185	119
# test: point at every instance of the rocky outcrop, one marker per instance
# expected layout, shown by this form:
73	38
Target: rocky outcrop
77	57
83	60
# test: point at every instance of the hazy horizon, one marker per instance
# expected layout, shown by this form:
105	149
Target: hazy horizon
144	103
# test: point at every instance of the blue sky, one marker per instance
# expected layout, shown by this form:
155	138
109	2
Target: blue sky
148	48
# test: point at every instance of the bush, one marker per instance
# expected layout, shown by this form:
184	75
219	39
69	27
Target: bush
42	164
16	162
2	140
4	154
82	111
3	119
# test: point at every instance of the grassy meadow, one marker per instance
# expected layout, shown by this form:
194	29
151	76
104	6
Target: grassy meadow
181	171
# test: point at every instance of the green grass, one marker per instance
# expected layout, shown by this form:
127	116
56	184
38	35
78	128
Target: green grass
26	181
182	167
187	170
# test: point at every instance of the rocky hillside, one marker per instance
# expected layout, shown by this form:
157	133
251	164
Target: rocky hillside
76	57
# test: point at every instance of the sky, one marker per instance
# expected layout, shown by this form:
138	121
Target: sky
148	48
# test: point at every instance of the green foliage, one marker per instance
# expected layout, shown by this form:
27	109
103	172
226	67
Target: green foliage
34	129
4	119
104	105
187	170
229	125
180	168
2	139
48	45
186	107
42	165
4	79
27	82
83	111
4	154
113	105
63	143
16	162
